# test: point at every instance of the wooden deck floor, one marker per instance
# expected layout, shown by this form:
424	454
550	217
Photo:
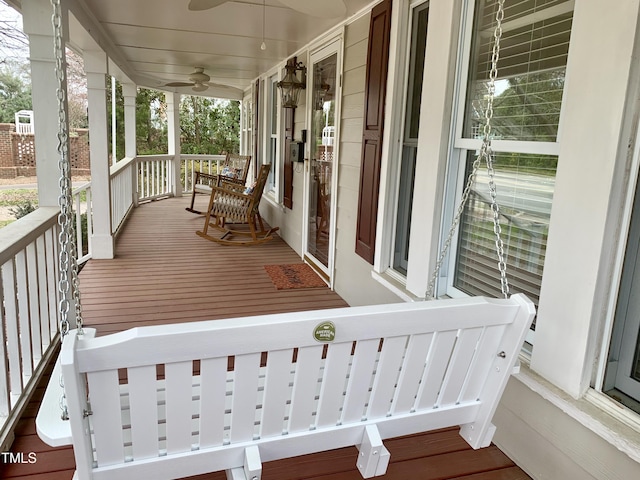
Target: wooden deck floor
164	273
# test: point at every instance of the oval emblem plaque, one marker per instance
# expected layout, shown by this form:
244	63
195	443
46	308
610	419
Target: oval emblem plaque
325	332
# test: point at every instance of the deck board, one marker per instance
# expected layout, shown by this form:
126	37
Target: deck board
164	273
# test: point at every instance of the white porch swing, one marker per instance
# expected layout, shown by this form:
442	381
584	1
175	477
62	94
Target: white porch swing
178	400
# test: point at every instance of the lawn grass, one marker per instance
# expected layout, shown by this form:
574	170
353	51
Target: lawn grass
16	196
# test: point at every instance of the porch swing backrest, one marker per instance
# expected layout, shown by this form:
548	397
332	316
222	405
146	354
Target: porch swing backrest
179	400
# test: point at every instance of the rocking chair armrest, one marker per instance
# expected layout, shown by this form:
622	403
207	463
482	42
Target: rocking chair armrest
233	192
234	184
208	179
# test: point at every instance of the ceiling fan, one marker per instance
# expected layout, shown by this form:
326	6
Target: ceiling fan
314	8
198	79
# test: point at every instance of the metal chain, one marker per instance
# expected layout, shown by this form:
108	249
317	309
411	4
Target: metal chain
486	154
67	261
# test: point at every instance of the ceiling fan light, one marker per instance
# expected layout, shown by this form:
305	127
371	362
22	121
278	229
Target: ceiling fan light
199	77
198	87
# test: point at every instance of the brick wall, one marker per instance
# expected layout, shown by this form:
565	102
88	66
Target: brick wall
18	156
6	150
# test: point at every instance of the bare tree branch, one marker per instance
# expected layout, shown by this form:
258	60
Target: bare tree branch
13	41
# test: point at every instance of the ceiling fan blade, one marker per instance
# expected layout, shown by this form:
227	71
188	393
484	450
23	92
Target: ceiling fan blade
179	84
315	8
198	5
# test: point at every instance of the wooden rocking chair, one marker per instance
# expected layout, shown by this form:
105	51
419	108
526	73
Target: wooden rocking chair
230	203
234	170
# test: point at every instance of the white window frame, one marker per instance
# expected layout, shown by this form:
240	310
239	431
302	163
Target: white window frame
246	120
461	145
274	194
397	85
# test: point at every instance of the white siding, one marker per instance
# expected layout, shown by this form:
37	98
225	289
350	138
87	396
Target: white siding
353	279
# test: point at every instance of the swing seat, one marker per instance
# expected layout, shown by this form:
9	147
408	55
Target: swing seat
234	170
231	203
173	401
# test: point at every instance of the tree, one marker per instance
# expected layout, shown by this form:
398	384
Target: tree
13	41
76	91
209	126
15	95
151	122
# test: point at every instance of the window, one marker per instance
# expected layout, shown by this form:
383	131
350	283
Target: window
246	138
528	99
272	146
622	378
420	17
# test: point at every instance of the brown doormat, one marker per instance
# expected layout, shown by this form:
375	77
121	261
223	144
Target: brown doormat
298	275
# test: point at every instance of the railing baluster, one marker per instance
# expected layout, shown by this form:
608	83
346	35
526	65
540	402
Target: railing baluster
8	270
34	303
24	316
52	276
90	220
29	318
5	389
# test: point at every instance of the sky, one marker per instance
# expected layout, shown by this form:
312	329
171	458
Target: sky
10	18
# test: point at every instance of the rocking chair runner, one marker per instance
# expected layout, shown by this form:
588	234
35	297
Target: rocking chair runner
231	203
234	170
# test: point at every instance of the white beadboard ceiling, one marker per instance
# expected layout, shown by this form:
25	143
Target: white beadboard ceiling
154	42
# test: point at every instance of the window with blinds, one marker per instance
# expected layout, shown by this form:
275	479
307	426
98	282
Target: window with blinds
528	97
533	56
525	184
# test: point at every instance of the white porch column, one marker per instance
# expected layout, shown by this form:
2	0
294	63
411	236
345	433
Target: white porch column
173	130
129	92
95	64
37	23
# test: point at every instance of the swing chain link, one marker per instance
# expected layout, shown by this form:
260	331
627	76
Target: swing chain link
67	259
486	154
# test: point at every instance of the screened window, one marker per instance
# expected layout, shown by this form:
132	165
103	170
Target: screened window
528	98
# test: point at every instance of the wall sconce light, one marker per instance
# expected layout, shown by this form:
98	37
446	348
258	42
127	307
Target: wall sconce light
290	86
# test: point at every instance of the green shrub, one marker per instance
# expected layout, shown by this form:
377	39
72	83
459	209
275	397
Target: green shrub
22	209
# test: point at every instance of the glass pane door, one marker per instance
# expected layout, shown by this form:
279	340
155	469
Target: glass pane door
322	155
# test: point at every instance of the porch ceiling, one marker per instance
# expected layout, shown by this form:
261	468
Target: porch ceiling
154	42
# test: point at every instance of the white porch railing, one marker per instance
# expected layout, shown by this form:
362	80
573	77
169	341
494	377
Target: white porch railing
29	269
154	176
29	293
194	163
150	177
84	221
122	191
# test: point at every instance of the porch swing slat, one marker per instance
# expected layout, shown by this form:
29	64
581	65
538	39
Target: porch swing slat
358	389
434	373
213	390
393	350
412	370
335	379
278	376
478	373
245	391
179	397
460	363
104	391
305	386
143	406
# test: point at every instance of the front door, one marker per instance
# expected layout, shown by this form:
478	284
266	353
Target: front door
321	172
